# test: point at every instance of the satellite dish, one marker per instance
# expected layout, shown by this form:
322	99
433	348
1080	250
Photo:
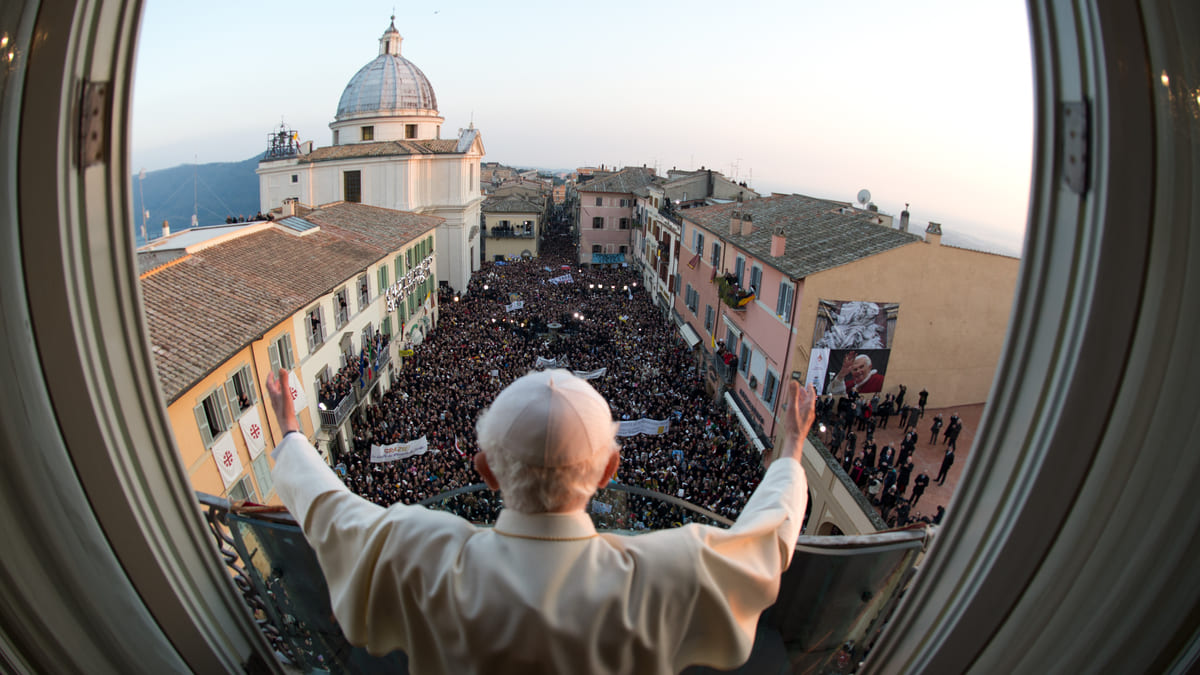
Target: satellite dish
864	196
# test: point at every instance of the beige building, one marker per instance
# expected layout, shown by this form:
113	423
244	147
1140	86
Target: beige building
226	306
512	227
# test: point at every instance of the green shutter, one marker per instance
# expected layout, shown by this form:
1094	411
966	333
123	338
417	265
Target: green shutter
235	408
202	422
273	355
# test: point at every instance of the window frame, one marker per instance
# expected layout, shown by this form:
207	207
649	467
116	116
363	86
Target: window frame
352	186
367	133
937	624
597	222
784	301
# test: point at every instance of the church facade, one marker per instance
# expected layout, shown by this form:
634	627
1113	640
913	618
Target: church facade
388	151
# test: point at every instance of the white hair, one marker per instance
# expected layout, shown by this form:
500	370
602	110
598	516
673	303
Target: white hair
528	488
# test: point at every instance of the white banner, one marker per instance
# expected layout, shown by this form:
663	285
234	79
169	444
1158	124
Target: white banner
563	279
252	432
818	367
645	426
584	375
298	397
519	304
601	507
228	462
395	451
543	362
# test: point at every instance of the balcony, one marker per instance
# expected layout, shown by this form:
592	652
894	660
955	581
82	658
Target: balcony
670	214
497	233
367	379
731	294
332	419
725	371
838	590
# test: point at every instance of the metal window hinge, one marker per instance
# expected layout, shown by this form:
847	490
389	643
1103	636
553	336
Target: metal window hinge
1073	155
94	118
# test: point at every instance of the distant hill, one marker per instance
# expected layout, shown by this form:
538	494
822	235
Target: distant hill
218	190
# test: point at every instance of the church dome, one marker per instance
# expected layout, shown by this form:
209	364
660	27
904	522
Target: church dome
390	83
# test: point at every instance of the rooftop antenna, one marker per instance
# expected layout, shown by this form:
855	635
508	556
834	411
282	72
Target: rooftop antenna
864	197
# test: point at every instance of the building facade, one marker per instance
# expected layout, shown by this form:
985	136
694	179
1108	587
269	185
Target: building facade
605	219
765	285
387	151
332	295
512	227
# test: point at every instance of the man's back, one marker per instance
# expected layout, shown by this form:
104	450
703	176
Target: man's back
543	592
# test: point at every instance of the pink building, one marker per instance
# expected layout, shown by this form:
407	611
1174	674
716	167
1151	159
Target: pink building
606	216
742	279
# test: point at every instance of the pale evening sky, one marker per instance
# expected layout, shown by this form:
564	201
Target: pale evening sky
922	102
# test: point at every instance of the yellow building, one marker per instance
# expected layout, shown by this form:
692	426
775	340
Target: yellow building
512	226
227	306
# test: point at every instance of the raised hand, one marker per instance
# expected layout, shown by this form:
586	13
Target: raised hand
281	401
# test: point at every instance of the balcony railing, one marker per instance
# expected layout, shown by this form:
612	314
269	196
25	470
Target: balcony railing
726	371
838	590
362	386
509	234
333	419
671	215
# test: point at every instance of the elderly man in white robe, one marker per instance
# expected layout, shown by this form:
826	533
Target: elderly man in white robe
542	591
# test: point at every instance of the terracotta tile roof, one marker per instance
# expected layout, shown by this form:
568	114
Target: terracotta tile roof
511	204
214	302
819	235
625	180
442	146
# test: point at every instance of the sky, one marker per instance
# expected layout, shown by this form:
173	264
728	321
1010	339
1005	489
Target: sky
927	103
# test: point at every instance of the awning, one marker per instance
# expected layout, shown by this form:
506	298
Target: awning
741	418
689	335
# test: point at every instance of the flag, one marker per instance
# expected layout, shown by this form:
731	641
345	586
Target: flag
252	432
694	261
226	456
746	300
298	397
458	448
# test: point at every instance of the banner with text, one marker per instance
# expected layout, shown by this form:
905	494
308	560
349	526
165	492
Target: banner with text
397	451
645	426
563	279
519	304
585	375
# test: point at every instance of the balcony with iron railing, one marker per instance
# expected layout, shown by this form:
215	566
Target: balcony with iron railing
332	418
368	378
837	591
498	233
668	212
725	371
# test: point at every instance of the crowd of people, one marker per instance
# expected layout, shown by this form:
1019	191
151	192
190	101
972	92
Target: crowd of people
885	474
600	322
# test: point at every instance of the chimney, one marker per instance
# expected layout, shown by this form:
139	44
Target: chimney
166	231
904	218
289	207
933	233
747	224
778	242
710	184
735	223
